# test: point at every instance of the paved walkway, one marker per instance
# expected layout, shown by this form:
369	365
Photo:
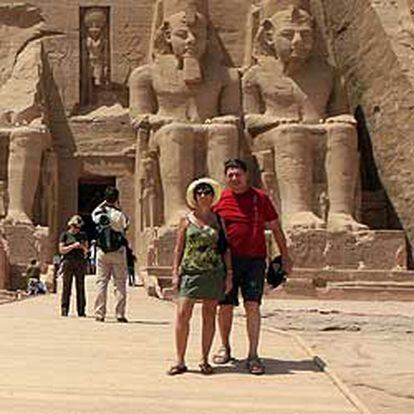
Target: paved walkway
50	364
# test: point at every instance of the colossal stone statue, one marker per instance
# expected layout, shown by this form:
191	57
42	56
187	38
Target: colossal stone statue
293	102
22	108
191	102
95	55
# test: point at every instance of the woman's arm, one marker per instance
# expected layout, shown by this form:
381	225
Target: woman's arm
66	249
178	253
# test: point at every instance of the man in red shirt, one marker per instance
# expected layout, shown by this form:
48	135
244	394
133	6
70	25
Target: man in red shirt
246	212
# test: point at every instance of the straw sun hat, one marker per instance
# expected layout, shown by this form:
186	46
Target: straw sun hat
76	221
190	190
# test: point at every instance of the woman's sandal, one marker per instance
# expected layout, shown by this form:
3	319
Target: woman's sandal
222	356
255	366
206	368
177	369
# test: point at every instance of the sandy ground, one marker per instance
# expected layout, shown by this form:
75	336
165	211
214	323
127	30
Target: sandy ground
370	345
55	365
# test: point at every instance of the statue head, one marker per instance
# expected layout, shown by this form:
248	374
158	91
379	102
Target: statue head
95	21
183	34
288	35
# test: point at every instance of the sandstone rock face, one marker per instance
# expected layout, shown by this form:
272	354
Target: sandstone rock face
20	64
373	47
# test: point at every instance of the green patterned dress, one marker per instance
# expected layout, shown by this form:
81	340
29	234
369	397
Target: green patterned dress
202	267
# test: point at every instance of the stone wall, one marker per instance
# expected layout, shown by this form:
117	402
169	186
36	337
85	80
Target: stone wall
373	47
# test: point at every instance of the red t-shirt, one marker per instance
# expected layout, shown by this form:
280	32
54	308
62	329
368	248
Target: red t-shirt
245	216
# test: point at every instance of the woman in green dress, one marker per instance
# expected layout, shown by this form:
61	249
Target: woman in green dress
201	269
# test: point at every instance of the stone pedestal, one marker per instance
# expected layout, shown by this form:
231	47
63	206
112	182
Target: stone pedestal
321	259
155	257
321	249
4	271
348	266
22	248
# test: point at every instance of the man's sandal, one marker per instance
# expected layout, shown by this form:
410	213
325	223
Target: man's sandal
206	368
177	369
222	356
255	366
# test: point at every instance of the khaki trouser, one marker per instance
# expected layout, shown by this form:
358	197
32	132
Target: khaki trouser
107	265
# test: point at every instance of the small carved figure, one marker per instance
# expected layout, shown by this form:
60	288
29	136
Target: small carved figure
192	104
95	54
293	99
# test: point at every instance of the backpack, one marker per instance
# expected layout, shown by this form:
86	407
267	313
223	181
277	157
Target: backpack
109	240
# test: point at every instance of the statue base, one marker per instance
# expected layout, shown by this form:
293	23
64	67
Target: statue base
25	242
4	266
365	265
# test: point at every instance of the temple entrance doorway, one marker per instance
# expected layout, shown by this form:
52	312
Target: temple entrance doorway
91	191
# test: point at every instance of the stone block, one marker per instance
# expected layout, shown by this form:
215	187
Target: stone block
321	249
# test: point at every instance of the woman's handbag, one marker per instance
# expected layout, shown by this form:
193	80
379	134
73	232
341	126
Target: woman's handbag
275	274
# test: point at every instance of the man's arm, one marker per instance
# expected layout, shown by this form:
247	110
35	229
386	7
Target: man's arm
280	239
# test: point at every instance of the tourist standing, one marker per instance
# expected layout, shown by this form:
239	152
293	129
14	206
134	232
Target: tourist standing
201	270
112	224
246	211
73	246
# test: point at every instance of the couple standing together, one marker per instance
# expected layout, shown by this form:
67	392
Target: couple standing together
221	249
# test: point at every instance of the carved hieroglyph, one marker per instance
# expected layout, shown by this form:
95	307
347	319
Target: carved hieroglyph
191	102
293	102
95	54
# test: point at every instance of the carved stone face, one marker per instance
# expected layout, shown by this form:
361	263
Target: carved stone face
187	40
292	38
94	30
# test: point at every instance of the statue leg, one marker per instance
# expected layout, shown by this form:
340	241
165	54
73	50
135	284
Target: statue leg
176	143
294	161
342	166
222	144
26	148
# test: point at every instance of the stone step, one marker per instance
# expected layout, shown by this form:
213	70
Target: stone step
322	276
364	290
351	290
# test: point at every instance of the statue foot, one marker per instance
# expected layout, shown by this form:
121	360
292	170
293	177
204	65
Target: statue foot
303	220
17	217
339	222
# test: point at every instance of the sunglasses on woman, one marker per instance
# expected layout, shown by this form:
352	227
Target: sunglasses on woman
204	192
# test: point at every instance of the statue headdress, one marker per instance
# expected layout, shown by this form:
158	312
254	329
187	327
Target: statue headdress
270	7
95	15
266	18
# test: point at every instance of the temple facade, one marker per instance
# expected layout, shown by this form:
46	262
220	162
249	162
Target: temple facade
147	95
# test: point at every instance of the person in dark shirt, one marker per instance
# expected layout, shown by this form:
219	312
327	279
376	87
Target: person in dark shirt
73	246
246	212
131	259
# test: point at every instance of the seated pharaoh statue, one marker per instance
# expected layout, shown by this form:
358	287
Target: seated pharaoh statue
22	110
293	101
191	102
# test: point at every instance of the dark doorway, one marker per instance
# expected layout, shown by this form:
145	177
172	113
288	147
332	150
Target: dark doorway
91	193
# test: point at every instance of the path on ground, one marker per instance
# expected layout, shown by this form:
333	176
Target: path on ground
51	364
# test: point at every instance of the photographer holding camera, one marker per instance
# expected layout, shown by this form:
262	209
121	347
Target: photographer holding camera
111	223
